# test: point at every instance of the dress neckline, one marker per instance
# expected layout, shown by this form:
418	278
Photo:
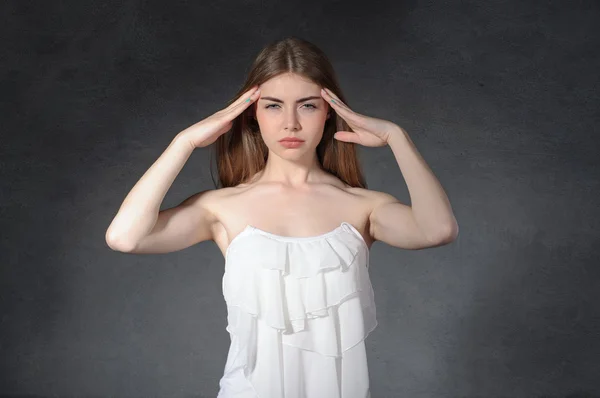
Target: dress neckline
296	238
284	238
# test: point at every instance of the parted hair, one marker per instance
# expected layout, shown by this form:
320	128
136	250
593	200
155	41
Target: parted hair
241	151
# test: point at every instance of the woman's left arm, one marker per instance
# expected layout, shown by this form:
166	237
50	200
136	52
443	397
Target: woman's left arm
430	205
429	219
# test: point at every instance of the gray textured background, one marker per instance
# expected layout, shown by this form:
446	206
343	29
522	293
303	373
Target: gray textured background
500	97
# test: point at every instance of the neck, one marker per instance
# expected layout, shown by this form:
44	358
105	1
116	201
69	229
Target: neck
292	172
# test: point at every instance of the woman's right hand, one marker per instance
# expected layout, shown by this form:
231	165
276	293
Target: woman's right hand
206	131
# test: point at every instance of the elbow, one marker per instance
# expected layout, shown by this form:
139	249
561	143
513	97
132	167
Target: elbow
451	233
118	244
446	235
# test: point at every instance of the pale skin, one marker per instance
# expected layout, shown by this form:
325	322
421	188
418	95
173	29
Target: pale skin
294	197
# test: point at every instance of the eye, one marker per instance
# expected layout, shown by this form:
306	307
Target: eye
311	106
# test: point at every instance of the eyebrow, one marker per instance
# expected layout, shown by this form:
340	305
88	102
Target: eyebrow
297	101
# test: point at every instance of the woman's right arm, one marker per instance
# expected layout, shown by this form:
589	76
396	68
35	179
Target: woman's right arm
140	226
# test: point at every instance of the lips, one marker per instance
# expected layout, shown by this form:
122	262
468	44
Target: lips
291	140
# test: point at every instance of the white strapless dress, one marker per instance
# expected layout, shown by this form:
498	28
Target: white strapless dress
299	310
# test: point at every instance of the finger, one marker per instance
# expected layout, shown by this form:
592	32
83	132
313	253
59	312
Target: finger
346	136
244	98
333	99
242	103
338	105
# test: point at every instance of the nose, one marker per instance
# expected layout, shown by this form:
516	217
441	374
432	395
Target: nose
291	120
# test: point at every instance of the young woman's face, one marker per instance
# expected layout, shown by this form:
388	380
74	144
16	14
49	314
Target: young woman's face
291	106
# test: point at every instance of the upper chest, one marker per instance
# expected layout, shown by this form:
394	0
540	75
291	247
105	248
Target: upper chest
290	213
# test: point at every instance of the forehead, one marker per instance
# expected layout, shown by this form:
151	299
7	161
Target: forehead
289	84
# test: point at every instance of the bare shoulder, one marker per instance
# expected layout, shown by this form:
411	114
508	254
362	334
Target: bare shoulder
221	203
211	200
372	197
369	200
206	203
204	200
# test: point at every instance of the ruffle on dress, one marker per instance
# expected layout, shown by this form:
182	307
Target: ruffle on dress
296	309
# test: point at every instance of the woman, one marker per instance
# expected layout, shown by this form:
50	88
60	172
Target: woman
294	220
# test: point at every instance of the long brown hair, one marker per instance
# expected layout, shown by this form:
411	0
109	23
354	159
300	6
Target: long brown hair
241	151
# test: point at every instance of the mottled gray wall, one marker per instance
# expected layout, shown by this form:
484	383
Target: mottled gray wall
500	97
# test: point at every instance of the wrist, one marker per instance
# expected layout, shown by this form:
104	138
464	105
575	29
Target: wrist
182	143
397	134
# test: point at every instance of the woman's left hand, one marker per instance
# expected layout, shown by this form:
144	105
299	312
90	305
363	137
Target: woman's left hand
367	131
